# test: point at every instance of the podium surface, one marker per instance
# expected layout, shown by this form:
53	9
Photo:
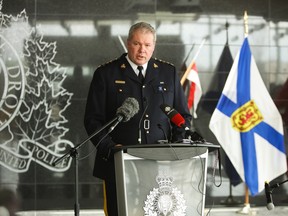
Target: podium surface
161	179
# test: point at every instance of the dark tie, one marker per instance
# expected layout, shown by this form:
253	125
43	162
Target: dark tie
140	75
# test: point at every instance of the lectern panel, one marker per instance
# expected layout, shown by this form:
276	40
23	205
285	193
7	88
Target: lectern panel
148	187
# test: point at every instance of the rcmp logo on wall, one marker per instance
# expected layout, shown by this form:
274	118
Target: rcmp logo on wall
166	200
32	99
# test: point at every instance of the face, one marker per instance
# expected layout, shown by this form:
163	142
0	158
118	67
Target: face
141	47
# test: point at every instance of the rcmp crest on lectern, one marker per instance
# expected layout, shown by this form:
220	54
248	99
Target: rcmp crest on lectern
165	200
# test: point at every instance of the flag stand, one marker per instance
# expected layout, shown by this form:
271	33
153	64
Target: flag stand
230	201
246	209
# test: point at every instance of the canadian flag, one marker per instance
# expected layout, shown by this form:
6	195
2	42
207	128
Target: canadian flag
195	91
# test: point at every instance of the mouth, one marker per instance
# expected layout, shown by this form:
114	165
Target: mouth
141	57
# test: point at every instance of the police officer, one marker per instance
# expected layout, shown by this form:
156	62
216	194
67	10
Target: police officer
154	83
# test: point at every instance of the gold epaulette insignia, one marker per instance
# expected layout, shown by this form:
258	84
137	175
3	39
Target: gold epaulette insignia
164	61
106	63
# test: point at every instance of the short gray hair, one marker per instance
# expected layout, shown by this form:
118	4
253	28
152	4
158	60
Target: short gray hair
146	27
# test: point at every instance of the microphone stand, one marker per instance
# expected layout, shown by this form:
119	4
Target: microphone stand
272	187
73	153
277	184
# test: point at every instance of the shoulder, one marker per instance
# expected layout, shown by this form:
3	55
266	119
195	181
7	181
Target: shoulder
112	63
108	64
162	63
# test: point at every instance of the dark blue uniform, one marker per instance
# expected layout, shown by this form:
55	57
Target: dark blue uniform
112	83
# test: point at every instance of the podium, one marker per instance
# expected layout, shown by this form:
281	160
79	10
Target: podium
161	179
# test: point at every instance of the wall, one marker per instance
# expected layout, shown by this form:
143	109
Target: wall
55	47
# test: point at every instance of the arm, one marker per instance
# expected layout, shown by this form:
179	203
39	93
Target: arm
180	104
96	114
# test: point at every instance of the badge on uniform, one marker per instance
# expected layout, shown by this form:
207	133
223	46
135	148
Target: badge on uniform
162	87
120	81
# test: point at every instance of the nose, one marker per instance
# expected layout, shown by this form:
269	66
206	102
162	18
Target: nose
142	48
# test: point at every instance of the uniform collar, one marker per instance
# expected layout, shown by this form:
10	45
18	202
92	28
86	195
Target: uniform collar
134	66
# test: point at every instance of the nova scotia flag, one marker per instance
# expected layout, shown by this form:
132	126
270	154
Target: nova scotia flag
248	125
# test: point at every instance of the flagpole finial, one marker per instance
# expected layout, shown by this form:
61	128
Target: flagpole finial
227	26
245	24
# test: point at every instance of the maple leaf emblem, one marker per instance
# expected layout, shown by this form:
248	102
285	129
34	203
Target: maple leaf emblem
38	121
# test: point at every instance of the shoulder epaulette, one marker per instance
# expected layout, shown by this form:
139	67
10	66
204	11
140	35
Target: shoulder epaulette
102	65
159	60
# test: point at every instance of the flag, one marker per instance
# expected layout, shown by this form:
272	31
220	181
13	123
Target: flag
222	70
248	125
195	90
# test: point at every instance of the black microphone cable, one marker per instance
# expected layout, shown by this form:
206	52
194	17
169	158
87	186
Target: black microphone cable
165	135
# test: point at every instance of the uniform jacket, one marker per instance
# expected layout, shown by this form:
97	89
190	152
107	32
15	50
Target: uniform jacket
112	83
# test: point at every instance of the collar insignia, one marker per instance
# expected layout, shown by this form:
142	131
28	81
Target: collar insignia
123	66
155	65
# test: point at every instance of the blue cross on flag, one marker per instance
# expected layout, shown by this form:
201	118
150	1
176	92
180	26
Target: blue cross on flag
248	125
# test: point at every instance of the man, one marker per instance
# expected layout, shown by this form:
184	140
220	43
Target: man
115	81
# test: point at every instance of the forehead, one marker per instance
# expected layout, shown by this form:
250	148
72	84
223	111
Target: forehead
143	35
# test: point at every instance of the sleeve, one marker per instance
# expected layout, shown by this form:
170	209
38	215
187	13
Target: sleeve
180	104
95	115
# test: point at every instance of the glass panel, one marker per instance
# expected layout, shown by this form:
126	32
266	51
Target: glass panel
49	51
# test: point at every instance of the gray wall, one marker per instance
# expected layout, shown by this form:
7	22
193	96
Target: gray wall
71	38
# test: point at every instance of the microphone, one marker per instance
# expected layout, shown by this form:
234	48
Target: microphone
194	136
129	108
173	115
268	193
178	120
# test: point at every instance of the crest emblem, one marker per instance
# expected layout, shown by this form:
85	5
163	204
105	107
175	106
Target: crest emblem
246	117
32	124
165	200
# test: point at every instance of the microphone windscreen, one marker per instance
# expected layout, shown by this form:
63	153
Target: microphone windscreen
178	120
129	108
270	206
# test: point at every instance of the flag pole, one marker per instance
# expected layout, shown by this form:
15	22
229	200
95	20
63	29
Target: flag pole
122	43
192	63
246	196
183	67
245	24
246	35
246	203
246	209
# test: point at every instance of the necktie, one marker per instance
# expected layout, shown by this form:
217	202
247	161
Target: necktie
140	75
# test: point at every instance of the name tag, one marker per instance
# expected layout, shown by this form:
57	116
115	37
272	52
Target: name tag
120	81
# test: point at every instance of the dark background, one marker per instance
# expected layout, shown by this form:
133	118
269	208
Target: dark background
87	34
